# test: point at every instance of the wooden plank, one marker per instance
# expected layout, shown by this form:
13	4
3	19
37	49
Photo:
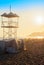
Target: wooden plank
9	26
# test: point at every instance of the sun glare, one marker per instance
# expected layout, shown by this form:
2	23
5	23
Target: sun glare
40	37
37	37
39	20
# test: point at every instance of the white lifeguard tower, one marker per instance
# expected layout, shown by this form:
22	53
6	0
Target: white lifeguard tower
9	25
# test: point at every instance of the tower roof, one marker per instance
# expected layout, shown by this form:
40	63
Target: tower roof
9	15
4	15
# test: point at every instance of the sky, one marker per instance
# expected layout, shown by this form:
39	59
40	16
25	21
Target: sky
31	15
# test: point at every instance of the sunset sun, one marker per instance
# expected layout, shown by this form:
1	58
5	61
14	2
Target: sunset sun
39	20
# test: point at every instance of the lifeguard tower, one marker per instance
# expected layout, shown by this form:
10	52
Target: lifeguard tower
9	25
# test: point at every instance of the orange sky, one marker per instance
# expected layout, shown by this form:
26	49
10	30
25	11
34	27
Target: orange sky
28	23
